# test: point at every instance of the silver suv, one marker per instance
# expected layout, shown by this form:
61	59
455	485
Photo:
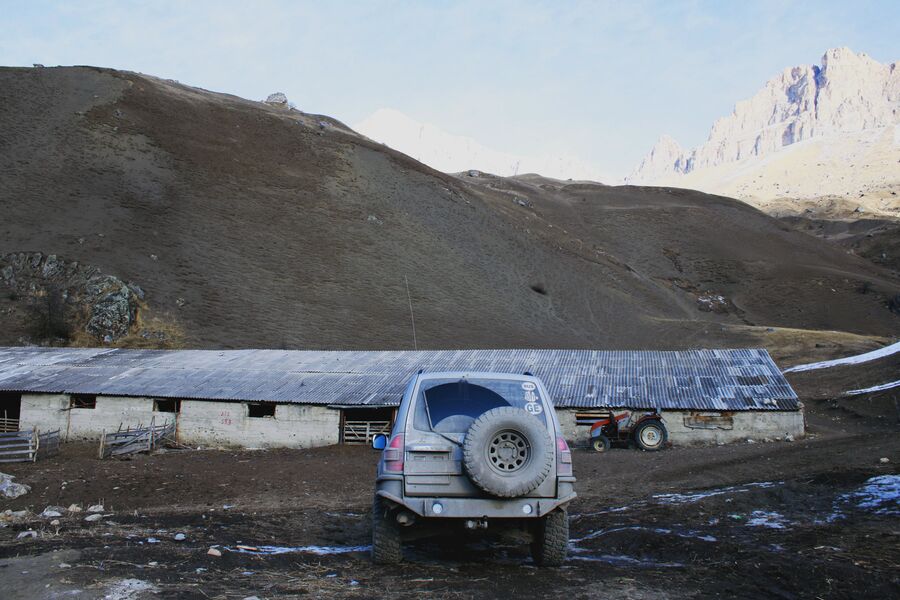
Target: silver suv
470	450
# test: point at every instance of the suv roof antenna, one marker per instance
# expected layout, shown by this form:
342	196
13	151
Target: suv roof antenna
412	317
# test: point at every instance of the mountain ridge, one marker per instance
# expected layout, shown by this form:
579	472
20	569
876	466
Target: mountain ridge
849	93
261	226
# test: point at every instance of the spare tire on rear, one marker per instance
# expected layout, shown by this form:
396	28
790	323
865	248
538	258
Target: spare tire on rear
508	452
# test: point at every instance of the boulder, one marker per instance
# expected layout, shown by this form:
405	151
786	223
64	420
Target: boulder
52	512
112	312
277	99
10	489
14	516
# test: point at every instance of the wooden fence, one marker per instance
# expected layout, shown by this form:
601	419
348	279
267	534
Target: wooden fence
8	425
138	439
362	432
28	446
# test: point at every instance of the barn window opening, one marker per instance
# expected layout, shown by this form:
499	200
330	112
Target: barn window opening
82	401
167	405
261	409
10	407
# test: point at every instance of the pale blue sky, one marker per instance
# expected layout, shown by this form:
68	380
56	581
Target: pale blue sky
600	80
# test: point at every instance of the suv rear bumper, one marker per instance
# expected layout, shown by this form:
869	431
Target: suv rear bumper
475	508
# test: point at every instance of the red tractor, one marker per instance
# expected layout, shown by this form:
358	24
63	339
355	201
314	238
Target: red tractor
644	428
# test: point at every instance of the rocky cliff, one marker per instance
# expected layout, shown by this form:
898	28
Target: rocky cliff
849	93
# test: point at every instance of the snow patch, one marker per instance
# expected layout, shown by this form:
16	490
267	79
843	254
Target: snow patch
318	550
770	520
877	388
848	360
452	153
621	560
690	534
127	589
880	494
691	497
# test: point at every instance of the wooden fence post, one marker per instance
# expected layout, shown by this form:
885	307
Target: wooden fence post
35	443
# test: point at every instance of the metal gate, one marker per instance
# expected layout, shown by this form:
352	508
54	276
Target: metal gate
362	432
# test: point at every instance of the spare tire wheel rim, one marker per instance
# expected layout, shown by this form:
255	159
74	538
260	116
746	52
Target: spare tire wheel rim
508	451
650	436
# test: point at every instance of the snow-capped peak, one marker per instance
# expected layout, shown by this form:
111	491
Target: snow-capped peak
452	153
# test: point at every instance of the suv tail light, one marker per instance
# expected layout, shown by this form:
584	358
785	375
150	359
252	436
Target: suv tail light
563	458
393	454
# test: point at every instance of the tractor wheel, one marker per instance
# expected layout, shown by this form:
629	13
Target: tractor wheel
650	435
600	443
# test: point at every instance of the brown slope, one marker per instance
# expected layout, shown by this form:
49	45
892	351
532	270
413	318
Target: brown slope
280	228
878	240
690	243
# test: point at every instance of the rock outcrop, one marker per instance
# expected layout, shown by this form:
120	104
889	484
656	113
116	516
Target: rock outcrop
69	295
849	93
277	99
665	159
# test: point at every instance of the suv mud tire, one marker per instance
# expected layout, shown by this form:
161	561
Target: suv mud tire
386	543
508	452
651	435
551	539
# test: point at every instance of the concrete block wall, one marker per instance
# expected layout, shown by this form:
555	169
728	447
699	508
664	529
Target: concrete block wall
209	423
228	424
200	422
47	412
52	411
757	425
574	434
110	413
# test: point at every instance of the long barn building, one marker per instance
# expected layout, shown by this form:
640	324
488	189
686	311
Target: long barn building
293	398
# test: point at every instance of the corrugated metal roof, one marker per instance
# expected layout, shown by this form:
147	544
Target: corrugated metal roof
745	379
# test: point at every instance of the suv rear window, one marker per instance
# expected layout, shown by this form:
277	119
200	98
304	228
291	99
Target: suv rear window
453	404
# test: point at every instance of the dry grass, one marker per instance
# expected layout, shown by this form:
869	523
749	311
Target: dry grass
790	346
149	331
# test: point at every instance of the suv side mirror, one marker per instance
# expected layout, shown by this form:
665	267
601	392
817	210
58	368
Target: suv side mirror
379	441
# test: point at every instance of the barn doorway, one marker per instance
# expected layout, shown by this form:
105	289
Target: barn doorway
360	425
10	411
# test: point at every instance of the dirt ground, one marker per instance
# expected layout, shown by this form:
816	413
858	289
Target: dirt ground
780	519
